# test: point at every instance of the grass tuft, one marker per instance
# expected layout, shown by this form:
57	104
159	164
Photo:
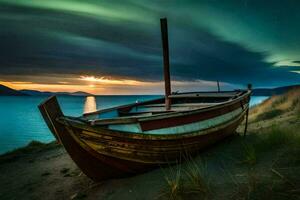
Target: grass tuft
174	183
279	101
32	147
197	178
277	137
191	181
269	114
249	156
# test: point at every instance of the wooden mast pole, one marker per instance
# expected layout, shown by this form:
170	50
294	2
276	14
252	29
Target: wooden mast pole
165	44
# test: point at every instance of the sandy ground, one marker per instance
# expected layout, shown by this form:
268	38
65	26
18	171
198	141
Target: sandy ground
49	173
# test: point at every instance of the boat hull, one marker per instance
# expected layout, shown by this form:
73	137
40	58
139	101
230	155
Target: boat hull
100	166
104	154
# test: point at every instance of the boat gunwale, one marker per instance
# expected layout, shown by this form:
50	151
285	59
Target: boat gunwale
153	100
195	111
135	119
120	107
131	135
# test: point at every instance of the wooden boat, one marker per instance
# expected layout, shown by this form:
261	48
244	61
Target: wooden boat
134	138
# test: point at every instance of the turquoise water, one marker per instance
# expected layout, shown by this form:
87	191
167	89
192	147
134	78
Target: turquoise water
255	100
21	122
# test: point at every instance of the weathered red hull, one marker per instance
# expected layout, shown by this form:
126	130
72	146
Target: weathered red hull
103	154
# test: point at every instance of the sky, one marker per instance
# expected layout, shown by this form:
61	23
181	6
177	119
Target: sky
114	47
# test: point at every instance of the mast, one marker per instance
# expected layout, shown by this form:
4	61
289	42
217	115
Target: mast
165	44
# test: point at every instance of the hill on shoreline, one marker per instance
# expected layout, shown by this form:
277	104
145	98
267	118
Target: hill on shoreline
6	91
273	91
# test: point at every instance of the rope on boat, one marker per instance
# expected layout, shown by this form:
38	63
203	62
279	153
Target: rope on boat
249	86
246	123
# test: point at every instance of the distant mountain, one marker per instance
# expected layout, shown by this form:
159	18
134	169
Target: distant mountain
6	91
36	93
273	91
80	93
39	93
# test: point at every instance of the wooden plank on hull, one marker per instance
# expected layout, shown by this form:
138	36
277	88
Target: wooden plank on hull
147	125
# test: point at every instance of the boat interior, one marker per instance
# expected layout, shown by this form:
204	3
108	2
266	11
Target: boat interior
179	102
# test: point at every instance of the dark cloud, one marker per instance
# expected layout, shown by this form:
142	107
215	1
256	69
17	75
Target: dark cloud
39	41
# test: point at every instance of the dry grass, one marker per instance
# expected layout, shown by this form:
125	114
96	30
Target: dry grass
31	148
186	181
198	181
249	156
269	114
278	137
277	105
269	140
279	146
173	180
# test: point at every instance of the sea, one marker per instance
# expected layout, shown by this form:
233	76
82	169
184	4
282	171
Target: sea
21	121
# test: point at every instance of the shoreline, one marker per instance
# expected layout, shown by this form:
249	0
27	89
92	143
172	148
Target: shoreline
33	144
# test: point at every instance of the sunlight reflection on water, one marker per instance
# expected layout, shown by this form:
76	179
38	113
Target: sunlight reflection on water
90	104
